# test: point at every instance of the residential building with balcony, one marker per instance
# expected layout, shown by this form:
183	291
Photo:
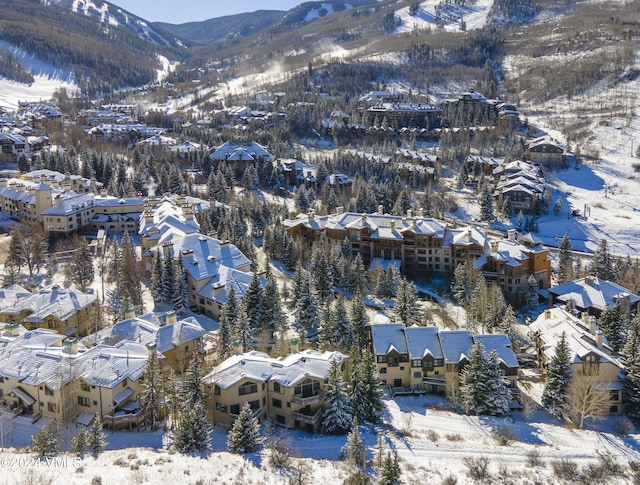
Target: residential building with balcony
415	360
590	354
289	390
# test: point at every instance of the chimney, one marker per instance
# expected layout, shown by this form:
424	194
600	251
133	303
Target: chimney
599	339
312	215
148	216
415	222
409	213
393	226
547	314
592	324
339	210
70	345
13	329
295	345
237	347
129	313
420	212
151	348
380	210
364	219
590	280
170	317
511	234
494	246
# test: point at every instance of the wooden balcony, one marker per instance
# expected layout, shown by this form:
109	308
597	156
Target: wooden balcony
256	414
311	419
121	420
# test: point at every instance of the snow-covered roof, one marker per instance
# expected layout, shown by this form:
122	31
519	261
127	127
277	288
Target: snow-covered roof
58	303
456	345
593	292
422	342
259	367
11	295
386	337
221	282
583	338
67	205
39	357
502	345
149	329
203	255
228	151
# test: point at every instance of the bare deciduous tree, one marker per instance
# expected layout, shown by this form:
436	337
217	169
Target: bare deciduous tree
586	401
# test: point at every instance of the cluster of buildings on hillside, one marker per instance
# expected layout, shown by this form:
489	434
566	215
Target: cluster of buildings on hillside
422	246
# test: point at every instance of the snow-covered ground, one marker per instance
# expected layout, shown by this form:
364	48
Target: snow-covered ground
431	440
474	14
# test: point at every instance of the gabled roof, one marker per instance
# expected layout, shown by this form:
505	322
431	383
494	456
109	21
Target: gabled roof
502	345
582	338
60	304
259	367
386	337
149	329
593	292
422	342
455	345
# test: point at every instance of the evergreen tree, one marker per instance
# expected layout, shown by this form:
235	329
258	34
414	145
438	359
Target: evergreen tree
486	204
336	414
273	317
327	329
322	271
356	452
508	324
46	442
359	321
227	323
157	277
192	434
180	298
81	441
79	268
252	304
97	441
151	397
532	292
602	263
498	394
357	393
631	358
192	393
406	309
473	388
343	336
244	435
390	473
168	279
308	310
465	278
357	275
614	324
372	391
559	373
565	261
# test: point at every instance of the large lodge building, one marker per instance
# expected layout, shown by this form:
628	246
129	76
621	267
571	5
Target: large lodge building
427	247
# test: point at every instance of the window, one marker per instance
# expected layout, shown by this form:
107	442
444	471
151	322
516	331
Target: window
234	409
52	407
247	388
48	391
438	362
428	364
84	401
417	375
85	387
415	363
613	409
382	359
276	387
216	390
614	396
276	403
383	370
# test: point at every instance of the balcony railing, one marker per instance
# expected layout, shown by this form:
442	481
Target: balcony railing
305	401
307	418
123	420
255	414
